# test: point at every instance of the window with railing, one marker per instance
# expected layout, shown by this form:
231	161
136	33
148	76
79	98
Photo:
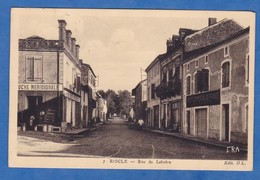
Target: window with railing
202	81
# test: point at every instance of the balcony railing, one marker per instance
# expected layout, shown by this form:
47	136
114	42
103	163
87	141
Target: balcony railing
169	89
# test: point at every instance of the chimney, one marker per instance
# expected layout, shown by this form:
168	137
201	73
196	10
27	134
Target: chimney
68	35
212	21
62	30
80	61
169	45
77	51
73	46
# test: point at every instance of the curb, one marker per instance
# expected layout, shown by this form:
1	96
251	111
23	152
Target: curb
196	140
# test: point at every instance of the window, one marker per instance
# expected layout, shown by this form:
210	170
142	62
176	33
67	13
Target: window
188	67
206	59
170	73
34	68
152	91
226	51
202	81
188	85
247	70
225	74
197	63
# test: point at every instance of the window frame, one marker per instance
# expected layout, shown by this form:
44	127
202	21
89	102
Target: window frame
32	69
230	73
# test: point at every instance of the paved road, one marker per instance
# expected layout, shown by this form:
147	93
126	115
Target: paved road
115	139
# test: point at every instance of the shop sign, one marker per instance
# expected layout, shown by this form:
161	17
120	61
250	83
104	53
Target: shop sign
71	96
204	99
39	87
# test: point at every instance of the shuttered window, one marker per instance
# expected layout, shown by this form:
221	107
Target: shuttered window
34	68
225	74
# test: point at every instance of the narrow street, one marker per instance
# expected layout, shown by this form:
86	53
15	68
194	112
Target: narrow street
115	139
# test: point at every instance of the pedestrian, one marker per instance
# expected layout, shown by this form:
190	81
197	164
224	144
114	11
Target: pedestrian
140	123
31	123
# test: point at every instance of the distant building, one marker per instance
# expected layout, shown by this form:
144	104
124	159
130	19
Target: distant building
88	81
153	101
49	81
140	93
101	108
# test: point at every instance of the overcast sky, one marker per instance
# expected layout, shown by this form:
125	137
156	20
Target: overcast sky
117	43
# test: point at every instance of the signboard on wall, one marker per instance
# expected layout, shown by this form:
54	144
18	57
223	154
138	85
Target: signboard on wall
204	99
39	87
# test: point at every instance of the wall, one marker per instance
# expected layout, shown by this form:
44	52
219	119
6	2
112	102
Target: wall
49	65
236	94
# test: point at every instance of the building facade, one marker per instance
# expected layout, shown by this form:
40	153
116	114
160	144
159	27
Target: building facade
170	88
140	93
215	73
88	81
49	81
153	101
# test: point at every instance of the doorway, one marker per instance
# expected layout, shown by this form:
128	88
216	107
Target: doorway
201	121
34	103
225	122
188	121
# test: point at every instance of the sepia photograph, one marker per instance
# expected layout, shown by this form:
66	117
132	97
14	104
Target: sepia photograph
131	89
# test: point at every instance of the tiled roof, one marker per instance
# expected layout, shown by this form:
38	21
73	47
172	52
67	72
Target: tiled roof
196	52
212	34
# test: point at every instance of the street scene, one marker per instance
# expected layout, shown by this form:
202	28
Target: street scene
116	140
96	84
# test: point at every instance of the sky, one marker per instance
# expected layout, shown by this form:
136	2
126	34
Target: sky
118	44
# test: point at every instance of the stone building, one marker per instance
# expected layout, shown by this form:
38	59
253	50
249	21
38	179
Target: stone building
215	81
88	82
49	81
153	101
170	88
140	93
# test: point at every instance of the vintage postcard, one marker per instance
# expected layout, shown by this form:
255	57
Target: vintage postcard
131	89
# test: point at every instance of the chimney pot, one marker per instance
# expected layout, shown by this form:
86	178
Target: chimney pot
73	46
68	35
212	21
62	30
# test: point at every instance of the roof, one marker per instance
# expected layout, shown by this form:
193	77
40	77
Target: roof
197	52
154	62
134	90
35	38
87	65
212	34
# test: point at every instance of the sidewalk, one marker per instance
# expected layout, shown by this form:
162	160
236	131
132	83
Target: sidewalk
242	147
79	131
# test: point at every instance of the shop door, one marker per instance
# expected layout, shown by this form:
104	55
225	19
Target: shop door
175	120
225	122
188	121
34	103
201	121
156	117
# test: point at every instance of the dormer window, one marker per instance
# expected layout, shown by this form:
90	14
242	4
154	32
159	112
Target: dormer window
197	63
206	59
226	51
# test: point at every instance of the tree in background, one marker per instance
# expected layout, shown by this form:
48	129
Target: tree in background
119	103
125	102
